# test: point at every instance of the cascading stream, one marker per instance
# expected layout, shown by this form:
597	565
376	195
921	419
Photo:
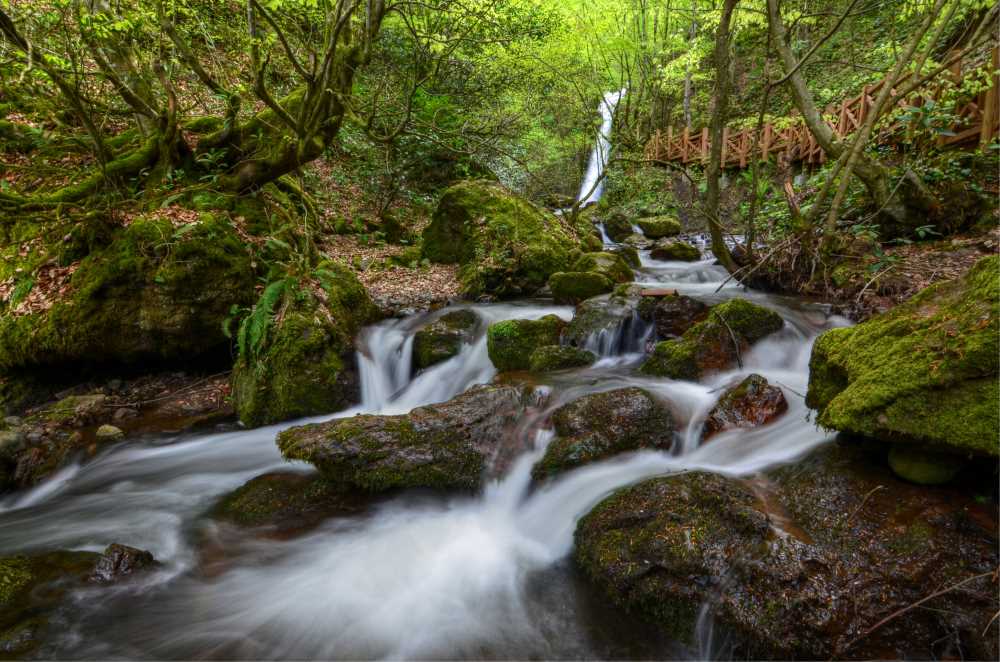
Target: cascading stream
418	576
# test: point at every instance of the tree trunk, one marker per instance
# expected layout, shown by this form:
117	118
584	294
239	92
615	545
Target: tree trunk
720	113
898	207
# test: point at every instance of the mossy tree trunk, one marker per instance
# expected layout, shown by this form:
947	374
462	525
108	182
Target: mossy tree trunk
255	150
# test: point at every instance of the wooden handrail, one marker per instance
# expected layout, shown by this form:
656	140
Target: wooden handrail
979	124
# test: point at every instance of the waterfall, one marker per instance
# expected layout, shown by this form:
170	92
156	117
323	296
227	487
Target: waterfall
593	183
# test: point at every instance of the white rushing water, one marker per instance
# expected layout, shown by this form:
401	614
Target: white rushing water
418	576
592	186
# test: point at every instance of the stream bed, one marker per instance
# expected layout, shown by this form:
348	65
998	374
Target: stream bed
417	575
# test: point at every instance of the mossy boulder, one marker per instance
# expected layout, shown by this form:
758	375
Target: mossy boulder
449	445
676	251
617	226
923	467
304	363
504	245
715	343
559	357
575	286
638	241
657	227
155	293
926	372
609	264
510	343
443	338
751	403
600	425
836	546
630	254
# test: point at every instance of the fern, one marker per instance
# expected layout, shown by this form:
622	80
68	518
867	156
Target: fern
254	328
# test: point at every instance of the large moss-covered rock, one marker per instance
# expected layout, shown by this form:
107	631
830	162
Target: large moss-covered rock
715	343
304	365
510	343
505	245
926	372
657	227
600	425
610	265
678	251
155	293
559	357
448	445
802	563
443	338
575	286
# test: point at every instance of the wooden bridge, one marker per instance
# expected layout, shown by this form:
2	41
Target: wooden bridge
978	123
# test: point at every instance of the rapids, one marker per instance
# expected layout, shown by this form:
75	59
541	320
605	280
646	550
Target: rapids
417	576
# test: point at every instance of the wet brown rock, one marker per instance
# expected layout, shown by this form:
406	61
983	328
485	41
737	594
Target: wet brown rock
673	314
120	561
804	562
751	403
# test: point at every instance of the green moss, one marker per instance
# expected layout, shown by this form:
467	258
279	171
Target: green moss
304	367
610	265
676	251
925	372
709	345
510	343
15	575
443	338
575	286
505	245
558	357
270	498
657	227
922	467
155	293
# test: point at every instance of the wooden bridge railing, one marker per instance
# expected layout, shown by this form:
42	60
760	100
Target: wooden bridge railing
978	123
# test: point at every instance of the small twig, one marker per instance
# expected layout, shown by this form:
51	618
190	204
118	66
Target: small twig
736	343
183	389
864	501
992	620
868	284
791	389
